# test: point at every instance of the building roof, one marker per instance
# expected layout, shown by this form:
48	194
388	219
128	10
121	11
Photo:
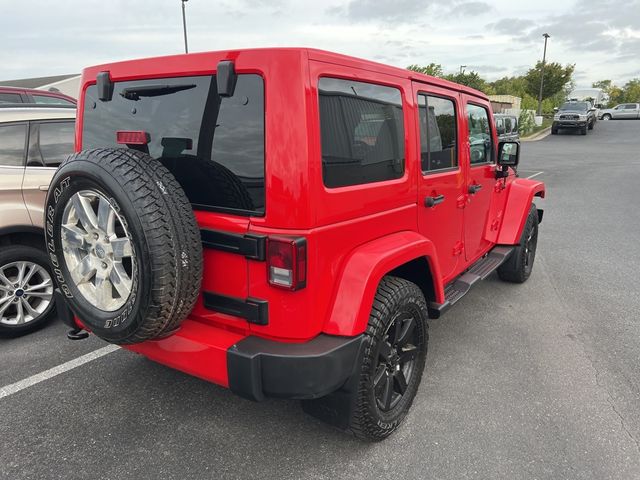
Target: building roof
35	82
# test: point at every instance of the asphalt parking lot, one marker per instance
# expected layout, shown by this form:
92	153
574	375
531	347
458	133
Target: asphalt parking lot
532	381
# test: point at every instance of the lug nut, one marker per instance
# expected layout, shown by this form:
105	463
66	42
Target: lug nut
104	265
96	236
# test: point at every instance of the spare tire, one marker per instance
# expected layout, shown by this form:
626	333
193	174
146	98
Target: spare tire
124	244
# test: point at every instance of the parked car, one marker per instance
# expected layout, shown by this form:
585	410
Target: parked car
33	142
574	115
15	95
296	254
507	126
624	111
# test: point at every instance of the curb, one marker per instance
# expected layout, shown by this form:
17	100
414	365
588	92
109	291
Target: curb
537	136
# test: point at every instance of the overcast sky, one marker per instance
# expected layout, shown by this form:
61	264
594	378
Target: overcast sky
495	38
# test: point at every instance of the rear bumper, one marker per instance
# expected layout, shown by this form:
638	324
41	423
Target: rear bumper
259	367
254	367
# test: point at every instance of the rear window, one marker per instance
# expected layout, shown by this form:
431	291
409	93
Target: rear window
362	132
213	146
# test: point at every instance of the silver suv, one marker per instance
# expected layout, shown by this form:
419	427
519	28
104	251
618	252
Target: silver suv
33	142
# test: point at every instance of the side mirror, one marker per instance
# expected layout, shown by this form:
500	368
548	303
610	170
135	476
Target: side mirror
226	78
592	109
508	154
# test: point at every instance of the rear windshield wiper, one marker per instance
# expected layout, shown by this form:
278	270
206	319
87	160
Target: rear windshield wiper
134	93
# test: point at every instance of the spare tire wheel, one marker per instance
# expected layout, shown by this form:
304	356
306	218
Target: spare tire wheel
124	244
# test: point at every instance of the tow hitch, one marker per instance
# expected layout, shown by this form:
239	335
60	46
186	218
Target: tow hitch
66	315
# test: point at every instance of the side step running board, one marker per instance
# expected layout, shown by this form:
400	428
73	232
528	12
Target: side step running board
480	270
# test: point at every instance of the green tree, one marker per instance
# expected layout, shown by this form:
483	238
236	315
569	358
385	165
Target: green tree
471	79
433	69
557	79
515	86
632	91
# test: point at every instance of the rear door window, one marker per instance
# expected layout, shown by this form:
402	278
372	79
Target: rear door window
438	143
213	146
362	132
13	140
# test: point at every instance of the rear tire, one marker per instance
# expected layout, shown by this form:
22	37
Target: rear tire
395	351
606	117
519	265
132	274
26	290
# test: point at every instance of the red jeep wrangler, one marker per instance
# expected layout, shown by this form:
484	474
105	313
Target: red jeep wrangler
283	222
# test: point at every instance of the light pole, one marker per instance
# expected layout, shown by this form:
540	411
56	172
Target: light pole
184	26
544	57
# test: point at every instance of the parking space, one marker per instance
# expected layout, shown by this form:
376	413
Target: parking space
538	380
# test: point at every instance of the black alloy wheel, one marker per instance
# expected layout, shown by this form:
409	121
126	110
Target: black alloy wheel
396	360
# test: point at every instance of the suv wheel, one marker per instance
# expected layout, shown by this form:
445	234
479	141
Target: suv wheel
591	124
518	266
26	290
583	130
606	116
124	238
395	351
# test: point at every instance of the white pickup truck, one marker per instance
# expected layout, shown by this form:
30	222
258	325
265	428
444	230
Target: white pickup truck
622	111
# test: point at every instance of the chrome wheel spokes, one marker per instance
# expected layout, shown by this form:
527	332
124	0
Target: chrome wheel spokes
26	291
98	250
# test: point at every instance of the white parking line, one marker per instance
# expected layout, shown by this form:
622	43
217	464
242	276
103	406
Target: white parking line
535	174
52	372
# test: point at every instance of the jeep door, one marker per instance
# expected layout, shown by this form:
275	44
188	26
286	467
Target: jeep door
484	194
441	179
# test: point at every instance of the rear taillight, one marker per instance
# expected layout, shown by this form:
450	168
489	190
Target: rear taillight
287	262
135	137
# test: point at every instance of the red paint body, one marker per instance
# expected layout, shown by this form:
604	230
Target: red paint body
356	234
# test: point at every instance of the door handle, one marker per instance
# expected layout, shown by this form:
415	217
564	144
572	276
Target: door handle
475	188
433	201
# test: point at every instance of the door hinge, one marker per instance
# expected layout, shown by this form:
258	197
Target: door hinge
458	248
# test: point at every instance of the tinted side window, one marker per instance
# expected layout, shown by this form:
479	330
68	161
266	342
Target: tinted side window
10	98
480	140
12	145
51	100
438	148
630	106
362	132
56	142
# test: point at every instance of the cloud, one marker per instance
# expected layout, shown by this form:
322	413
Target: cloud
501	37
